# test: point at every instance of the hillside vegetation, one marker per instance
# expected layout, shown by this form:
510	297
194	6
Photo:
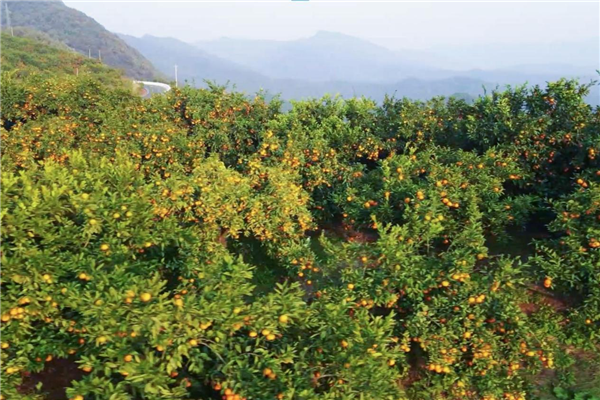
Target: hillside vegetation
78	32
202	244
40	37
24	56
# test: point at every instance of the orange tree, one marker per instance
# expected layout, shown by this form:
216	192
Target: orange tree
146	303
570	264
445	186
458	320
551	131
167	249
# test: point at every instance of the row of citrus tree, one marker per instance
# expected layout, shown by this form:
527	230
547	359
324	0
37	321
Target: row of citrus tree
175	247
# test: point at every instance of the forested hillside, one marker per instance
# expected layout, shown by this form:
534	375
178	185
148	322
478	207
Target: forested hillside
24	56
204	244
79	32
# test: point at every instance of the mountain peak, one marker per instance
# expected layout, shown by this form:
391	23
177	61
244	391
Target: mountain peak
330	38
330	35
322	33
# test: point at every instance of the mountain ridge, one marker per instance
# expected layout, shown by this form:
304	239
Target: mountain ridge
327	60
324	56
165	52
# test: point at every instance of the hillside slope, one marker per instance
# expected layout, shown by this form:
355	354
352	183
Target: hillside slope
40	37
26	56
79	32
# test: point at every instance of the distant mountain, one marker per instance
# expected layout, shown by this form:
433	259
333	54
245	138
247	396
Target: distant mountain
195	66
335	59
79	32
518	76
583	54
249	53
330	56
552	69
416	89
325	56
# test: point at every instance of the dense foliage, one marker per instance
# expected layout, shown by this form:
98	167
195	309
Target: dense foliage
201	244
28	55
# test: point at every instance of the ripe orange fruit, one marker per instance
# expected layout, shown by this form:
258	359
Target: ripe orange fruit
128	358
104	247
284	319
145	297
547	282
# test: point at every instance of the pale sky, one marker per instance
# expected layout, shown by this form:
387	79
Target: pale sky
393	24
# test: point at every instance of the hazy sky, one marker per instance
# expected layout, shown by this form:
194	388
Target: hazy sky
393	24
